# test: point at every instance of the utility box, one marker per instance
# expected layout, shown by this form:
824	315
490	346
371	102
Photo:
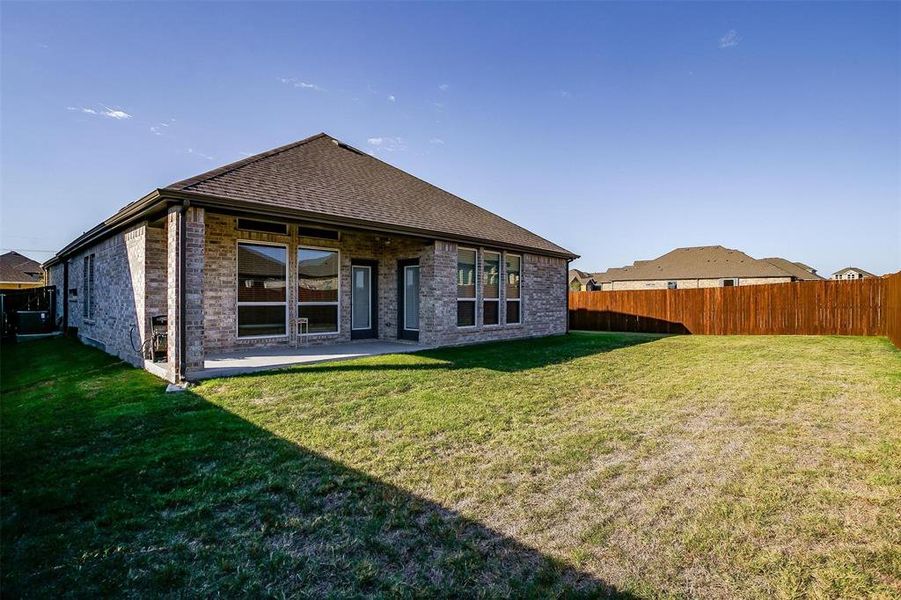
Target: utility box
33	321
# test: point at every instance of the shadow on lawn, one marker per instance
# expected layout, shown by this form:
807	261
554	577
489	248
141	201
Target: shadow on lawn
505	356
136	492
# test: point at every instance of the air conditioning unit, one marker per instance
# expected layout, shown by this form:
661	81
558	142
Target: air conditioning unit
33	321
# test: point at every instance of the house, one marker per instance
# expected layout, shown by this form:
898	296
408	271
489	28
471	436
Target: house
852	273
699	267
580	281
313	242
798	270
19	272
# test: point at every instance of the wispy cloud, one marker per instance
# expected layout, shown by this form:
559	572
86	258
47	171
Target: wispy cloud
200	154
392	99
730	40
388	144
444	87
294	82
564	94
160	128
105	111
436	141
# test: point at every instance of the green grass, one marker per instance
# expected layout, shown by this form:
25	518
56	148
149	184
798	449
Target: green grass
590	464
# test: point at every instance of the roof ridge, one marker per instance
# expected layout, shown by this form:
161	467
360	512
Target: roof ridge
430	184
184	184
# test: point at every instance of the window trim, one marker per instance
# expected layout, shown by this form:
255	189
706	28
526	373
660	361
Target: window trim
507	299
238	303
500	277
312	227
337	303
476	287
262	231
352	287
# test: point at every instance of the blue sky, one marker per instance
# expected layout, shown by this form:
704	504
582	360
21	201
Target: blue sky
619	131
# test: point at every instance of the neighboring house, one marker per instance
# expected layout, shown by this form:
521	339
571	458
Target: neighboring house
700	267
852	273
580	281
798	270
316	230
19	272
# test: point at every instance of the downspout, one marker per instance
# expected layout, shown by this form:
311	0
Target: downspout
566	291
65	296
182	292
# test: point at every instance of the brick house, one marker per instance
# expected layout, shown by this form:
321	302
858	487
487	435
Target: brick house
315	242
702	267
18	272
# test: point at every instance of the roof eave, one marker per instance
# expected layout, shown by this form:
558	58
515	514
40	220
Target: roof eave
211	201
131	213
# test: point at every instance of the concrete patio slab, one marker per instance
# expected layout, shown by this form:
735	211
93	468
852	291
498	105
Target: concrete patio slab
253	360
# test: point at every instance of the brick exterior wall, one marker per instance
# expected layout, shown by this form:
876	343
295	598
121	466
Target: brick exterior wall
136	277
543	307
120	292
220	283
544	288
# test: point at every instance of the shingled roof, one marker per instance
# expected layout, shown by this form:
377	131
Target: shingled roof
700	262
16	268
800	271
323	176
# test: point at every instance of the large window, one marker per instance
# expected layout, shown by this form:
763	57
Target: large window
262	290
317	288
491	287
87	306
466	287
513	274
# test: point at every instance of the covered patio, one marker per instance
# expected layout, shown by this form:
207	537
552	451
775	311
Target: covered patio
252	360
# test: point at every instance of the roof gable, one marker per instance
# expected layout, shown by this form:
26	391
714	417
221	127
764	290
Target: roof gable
857	269
323	176
15	267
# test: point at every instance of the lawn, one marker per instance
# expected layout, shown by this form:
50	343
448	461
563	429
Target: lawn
590	464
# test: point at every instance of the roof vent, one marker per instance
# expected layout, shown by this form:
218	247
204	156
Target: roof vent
347	147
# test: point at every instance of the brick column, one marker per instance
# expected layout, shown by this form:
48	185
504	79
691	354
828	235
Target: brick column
195	228
190	223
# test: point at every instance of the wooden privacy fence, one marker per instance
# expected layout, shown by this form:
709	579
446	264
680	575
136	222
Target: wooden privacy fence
863	307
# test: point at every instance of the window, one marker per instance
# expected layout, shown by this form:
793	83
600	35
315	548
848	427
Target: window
491	287
265	226
262	290
315	232
466	287
318	288
87	307
513	274
671	285
361	297
728	282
